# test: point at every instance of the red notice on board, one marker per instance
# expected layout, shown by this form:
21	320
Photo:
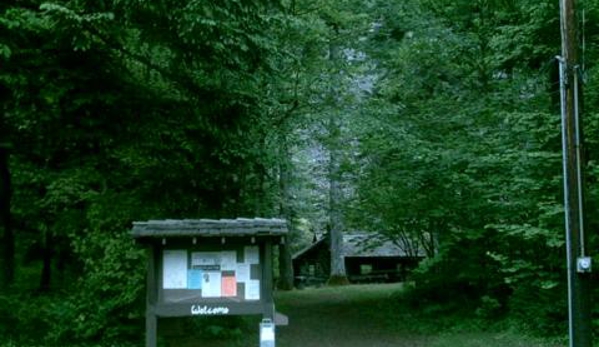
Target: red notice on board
229	286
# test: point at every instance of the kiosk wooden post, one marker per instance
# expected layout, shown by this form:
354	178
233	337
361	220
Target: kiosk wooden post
208	267
151	320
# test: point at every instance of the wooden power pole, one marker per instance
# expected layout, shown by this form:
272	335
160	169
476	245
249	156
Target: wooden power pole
579	262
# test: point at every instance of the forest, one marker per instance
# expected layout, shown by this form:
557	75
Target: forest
433	121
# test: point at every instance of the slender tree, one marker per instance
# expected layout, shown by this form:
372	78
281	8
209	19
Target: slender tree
335	193
336	225
7	256
286	211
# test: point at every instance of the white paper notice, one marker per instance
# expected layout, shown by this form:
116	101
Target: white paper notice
205	258
242	273
252	290
174	269
252	255
228	260
211	284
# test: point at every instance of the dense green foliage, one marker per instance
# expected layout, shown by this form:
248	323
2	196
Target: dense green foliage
435	121
463	154
121	111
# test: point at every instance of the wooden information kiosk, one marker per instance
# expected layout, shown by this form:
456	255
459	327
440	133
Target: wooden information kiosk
208	267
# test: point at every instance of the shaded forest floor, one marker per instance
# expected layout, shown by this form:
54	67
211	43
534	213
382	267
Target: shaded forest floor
350	316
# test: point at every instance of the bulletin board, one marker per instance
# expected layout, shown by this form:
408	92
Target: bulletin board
204	274
208	267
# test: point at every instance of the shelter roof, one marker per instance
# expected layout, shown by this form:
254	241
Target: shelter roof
366	244
209	227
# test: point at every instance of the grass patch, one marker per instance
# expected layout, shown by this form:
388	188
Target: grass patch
490	339
365	311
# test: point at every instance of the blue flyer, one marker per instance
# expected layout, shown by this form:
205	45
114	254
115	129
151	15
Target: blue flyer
194	279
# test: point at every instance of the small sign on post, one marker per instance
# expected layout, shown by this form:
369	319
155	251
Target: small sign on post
267	333
206	267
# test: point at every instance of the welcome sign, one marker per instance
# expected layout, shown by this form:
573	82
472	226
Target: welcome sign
205	267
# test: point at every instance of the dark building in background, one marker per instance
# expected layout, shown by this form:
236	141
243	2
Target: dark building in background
369	258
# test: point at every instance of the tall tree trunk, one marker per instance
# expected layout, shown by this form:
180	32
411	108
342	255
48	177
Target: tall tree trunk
7	256
285	266
338	274
286	211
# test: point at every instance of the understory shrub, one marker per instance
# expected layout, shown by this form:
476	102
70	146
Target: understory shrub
108	304
543	312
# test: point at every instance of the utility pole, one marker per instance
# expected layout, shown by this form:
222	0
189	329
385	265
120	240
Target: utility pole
579	262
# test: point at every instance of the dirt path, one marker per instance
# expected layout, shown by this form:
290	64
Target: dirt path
349	318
